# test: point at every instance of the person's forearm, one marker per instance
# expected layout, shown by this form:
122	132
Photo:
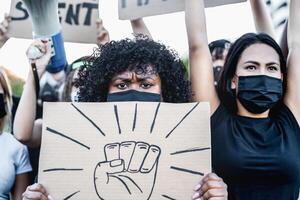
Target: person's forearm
294	25
139	27
262	18
20	185
195	23
26	112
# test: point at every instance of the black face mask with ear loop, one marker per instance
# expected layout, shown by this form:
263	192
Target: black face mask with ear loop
259	93
2	106
133	95
217	73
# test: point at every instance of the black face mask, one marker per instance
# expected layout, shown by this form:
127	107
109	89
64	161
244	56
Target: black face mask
49	93
2	106
259	93
217	73
133	95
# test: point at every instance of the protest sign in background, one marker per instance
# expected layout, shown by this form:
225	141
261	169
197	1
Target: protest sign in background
133	9
77	17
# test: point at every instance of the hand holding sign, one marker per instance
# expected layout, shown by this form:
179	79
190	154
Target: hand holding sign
130	167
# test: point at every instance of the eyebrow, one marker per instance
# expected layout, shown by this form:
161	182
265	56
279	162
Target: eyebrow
257	63
121	78
127	79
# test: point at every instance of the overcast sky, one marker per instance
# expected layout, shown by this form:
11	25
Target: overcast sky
228	22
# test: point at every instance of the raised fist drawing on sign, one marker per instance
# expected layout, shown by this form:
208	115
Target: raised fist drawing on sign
128	172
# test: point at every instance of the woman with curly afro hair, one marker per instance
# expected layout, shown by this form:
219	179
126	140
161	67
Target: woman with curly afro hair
139	67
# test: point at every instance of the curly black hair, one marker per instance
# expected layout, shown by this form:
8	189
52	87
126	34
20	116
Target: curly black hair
134	55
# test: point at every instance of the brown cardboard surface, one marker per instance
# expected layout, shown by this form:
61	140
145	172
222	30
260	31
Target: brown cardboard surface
20	26
133	9
164	150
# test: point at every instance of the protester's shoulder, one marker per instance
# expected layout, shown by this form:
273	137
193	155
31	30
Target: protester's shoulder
13	144
285	115
221	114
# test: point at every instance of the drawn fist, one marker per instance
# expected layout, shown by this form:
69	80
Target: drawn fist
129	171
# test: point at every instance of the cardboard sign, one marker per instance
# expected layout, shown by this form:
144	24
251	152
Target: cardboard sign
133	9
125	150
77	17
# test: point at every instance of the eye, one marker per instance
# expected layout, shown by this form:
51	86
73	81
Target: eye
273	68
146	85
250	68
122	86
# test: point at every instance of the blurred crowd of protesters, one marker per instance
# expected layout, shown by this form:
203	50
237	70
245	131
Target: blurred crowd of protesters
23	125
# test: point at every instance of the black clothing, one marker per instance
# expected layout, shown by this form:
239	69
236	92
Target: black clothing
257	158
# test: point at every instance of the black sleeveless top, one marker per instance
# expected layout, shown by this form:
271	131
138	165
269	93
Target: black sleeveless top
257	158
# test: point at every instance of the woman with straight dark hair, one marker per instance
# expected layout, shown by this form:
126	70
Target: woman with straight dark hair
256	114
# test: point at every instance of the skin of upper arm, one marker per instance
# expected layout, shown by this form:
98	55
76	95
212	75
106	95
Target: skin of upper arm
20	185
292	97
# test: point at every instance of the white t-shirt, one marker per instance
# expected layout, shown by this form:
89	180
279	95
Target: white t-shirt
14	160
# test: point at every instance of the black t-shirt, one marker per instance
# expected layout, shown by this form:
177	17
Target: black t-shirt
257	158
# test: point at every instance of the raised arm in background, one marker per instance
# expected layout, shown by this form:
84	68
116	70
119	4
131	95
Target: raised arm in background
262	18
201	69
292	97
139	27
102	33
211	186
26	129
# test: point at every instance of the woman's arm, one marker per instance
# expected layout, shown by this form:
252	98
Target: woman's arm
292	98
139	27
262	18
24	125
202	78
20	185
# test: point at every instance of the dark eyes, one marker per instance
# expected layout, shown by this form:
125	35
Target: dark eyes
273	68
269	68
146	85
250	67
123	86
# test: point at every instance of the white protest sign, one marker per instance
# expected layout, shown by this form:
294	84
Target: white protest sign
125	150
77	17
133	9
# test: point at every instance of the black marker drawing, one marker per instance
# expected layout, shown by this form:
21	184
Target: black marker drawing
134	119
182	120
154	119
187	170
117	118
62	169
129	166
190	150
91	121
67	137
71	195
167	197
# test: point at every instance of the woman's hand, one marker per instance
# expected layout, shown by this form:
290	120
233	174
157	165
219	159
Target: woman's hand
210	187
39	52
36	192
102	33
4	25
